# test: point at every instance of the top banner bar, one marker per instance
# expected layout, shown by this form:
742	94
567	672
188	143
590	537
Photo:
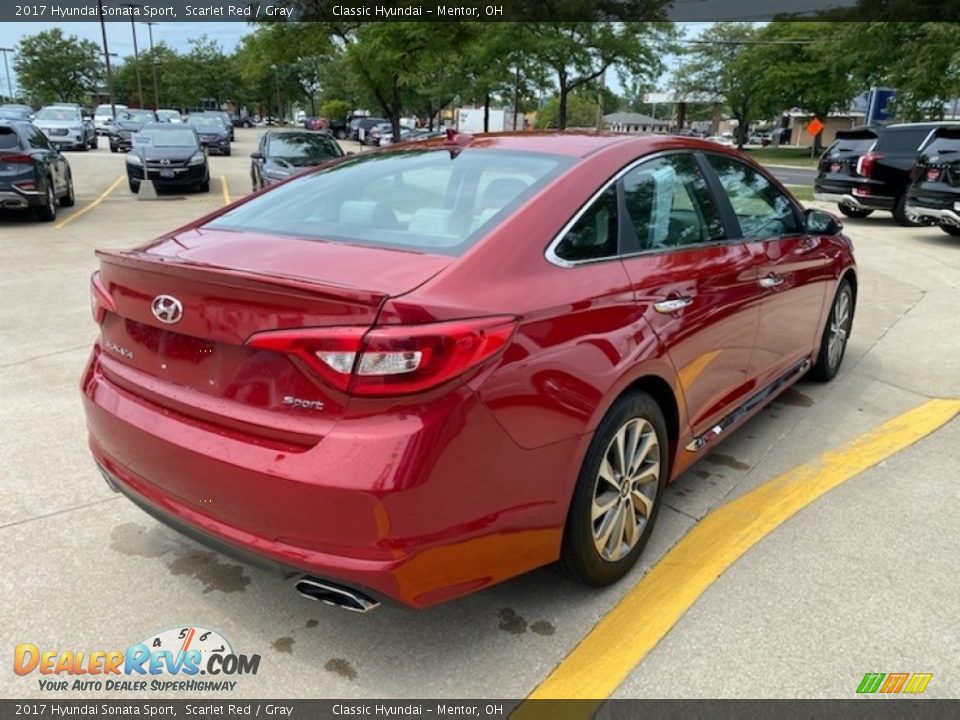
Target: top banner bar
475	10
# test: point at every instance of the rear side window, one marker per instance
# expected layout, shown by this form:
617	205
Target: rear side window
9	140
594	235
905	141
670	205
428	200
762	210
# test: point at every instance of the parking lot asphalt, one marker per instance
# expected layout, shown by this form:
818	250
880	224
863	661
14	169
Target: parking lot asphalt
863	579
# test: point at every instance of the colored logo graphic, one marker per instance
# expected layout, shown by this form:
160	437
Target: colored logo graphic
186	652
894	683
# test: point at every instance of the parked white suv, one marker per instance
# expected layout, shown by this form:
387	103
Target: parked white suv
103	117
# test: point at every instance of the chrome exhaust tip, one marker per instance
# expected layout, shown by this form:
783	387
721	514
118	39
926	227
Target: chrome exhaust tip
335	595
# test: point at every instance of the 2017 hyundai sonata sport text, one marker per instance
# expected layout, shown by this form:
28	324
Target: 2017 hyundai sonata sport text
417	372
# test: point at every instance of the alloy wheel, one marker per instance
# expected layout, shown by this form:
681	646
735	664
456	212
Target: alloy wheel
839	328
625	489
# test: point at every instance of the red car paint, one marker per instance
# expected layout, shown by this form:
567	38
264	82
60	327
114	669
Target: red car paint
426	496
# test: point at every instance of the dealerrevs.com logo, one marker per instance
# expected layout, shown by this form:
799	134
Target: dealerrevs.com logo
187	659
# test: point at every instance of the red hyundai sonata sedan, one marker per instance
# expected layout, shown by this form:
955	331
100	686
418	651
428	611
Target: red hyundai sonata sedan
417	372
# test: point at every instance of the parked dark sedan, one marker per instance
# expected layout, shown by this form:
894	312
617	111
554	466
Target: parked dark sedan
128	122
33	173
934	194
214	134
227	120
282	153
168	155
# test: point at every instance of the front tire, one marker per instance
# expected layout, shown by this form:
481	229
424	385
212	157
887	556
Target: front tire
134	187
833	343
618	493
951	230
852	212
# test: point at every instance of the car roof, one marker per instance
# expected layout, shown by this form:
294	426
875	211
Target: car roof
577	144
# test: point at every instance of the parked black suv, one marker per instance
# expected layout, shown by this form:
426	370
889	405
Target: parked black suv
934	195
868	168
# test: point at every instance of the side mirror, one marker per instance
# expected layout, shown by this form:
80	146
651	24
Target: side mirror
820	222
350	152
258	156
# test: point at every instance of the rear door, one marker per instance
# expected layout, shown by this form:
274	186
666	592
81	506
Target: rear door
694	284
794	269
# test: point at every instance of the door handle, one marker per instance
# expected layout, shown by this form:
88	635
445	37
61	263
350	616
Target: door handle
672	305
771	281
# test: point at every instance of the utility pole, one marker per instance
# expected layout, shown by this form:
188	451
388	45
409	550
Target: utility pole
106	58
136	55
153	66
7	66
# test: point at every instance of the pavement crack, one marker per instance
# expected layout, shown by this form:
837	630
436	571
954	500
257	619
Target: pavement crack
682	512
15	523
46	355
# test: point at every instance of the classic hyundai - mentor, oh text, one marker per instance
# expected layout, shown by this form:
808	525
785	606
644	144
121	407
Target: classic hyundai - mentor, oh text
417	372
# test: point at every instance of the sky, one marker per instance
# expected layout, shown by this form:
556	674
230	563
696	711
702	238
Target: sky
120	37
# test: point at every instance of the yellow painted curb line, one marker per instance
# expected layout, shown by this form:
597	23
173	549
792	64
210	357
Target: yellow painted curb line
225	189
83	211
624	636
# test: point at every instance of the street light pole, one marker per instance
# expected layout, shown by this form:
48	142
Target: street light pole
7	66
153	66
136	54
106	58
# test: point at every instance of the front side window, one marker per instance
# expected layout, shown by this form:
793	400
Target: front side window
37	140
762	210
594	235
669	203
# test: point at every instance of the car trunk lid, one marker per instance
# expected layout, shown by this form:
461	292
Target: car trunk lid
223	287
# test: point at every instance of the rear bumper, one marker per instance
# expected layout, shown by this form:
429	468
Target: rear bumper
942	216
420	507
858	202
182	176
19	200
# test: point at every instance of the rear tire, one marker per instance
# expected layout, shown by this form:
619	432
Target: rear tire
113	148
205	186
833	342
851	212
618	492
48	213
951	230
900	213
69	199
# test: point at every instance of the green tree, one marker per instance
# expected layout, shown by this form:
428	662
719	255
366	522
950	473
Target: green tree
335	109
581	112
52	66
579	53
921	60
813	76
716	68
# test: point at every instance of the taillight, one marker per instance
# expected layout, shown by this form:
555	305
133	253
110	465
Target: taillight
866	162
18	159
100	300
392	360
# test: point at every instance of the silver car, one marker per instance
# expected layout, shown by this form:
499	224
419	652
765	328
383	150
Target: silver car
65	127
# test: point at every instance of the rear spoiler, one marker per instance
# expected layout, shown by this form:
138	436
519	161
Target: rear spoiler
219	275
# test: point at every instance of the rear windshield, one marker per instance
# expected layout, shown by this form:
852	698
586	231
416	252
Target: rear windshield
206	121
427	200
943	142
302	146
9	139
852	143
906	140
